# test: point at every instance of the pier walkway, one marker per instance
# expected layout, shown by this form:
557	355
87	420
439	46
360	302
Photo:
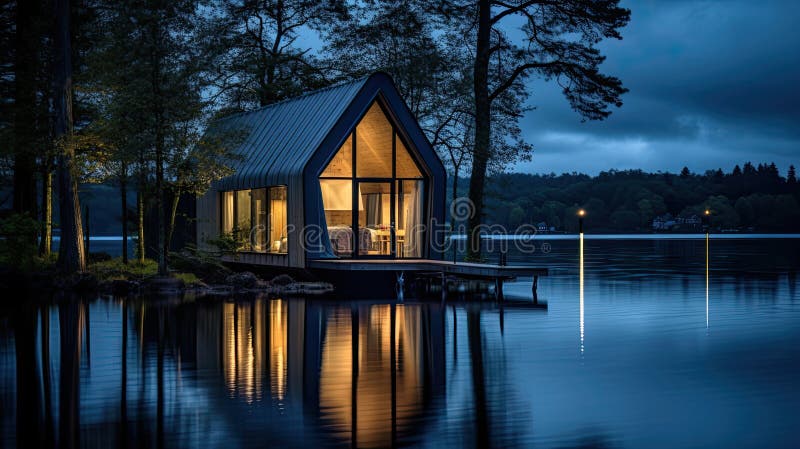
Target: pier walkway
443	269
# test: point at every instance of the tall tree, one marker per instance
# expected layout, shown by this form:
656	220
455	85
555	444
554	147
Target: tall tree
259	59
26	63
71	256
147	74
559	43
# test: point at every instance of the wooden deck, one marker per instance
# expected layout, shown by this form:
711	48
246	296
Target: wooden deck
439	268
478	270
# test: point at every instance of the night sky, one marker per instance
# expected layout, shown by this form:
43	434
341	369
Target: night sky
712	84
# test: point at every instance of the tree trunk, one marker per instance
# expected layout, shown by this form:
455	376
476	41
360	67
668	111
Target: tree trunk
123	192
172	212
160	145
71	257
453	215
480	155
162	230
25	74
88	233
46	244
474	338
70	325
140	223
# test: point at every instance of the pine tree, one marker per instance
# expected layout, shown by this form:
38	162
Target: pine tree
791	176
149	66
71	255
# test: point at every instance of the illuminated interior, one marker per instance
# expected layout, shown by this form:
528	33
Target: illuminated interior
256	218
373	186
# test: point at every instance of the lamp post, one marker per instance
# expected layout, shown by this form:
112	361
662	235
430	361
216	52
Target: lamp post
581	214
707	220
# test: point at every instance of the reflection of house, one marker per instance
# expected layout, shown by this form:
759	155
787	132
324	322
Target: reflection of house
342	172
300	355
541	227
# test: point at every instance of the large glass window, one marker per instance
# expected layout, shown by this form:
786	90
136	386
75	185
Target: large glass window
341	166
277	221
243	225
256	218
337	200
374	145
409	217
388	186
227	212
259	233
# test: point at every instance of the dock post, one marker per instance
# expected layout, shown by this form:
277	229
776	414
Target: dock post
399	287
444	286
535	288
498	288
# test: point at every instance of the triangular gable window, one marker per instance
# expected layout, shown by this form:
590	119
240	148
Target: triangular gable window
373	135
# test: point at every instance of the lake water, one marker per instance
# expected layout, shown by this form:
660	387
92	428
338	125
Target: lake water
647	346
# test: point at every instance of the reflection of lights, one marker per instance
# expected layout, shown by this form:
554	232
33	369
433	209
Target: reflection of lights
580	282
366	415
278	351
706	280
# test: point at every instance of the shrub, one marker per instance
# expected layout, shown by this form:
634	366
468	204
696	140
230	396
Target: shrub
114	269
18	246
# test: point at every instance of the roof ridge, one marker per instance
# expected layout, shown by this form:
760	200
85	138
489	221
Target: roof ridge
295	98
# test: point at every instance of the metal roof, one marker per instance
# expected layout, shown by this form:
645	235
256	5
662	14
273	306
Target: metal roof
282	137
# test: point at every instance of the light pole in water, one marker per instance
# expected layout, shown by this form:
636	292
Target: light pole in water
581	214
707	223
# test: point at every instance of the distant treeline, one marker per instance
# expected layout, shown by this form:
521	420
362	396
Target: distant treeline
749	198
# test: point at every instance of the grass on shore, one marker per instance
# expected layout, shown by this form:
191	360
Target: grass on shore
114	269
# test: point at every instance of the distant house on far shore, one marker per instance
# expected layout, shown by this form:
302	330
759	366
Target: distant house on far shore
541	227
667	222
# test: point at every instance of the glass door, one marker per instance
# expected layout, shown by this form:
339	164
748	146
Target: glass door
375	218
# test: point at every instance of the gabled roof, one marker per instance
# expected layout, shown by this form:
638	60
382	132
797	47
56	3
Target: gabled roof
281	137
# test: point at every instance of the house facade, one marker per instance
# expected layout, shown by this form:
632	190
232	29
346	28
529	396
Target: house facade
344	172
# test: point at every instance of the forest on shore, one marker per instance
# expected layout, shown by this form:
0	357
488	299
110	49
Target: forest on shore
749	198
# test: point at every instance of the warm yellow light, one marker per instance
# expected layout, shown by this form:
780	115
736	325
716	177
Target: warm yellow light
708	212
581	213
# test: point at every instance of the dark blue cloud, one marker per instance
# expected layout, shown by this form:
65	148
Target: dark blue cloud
712	84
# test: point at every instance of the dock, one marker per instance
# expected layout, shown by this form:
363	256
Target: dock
438	268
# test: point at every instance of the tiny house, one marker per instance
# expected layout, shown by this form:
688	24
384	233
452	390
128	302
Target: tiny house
343	172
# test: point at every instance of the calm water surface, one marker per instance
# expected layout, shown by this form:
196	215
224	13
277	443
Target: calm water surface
651	349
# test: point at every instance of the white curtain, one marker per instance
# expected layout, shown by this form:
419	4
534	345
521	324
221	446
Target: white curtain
412	202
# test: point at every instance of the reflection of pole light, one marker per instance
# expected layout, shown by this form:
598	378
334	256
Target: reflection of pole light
580	285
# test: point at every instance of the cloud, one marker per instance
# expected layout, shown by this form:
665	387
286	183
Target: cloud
712	84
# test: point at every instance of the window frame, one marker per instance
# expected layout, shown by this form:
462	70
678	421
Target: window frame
410	149
268	206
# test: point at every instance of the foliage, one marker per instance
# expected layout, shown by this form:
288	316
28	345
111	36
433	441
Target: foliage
188	278
756	198
114	269
255	56
18	242
204	264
